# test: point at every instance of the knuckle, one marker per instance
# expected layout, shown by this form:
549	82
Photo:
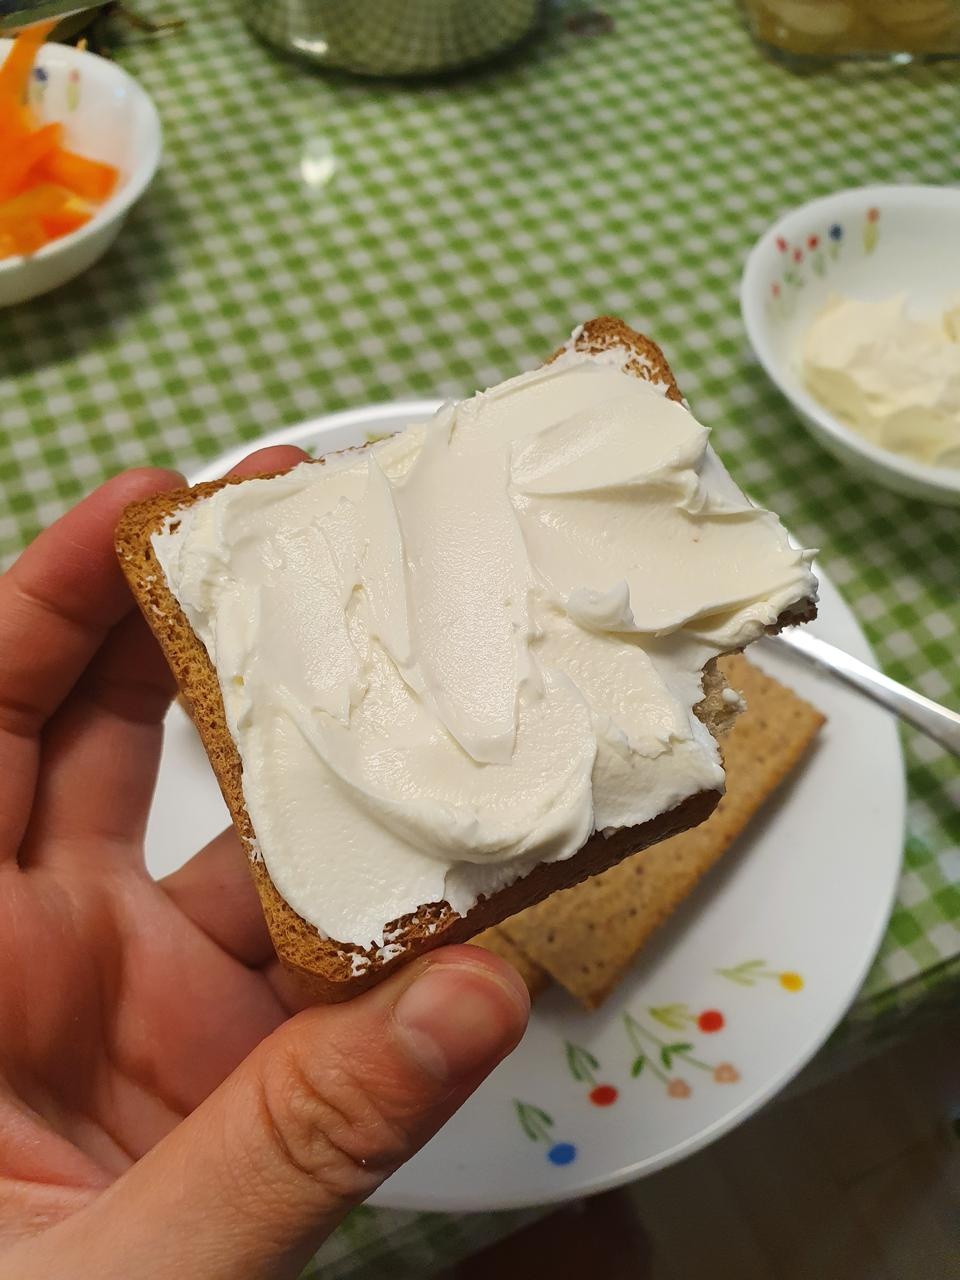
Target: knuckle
327	1128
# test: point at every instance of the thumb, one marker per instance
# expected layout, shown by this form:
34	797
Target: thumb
249	1185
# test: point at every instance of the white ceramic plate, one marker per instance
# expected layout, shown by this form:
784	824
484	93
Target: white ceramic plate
748	978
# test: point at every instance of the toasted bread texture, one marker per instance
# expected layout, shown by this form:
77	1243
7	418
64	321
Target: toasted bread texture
331	970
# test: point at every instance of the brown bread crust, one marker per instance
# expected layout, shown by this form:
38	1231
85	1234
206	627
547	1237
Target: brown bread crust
333	971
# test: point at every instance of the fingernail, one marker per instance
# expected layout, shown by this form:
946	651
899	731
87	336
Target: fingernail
457	1019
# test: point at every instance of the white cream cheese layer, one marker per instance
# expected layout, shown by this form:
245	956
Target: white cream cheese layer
893	377
462	651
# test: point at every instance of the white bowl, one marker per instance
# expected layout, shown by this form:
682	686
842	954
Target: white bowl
106	116
867	243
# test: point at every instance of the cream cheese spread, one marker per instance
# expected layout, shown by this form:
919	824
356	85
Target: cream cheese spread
465	649
893	377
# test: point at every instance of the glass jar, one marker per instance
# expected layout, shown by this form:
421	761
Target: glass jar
805	32
392	37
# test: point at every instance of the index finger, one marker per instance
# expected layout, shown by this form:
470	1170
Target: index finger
57	603
59	600
64	594
116	671
275	457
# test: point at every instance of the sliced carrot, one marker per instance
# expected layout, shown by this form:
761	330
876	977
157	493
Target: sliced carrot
16	118
16	125
32	204
64	221
28	236
16	165
46	191
15	72
91	179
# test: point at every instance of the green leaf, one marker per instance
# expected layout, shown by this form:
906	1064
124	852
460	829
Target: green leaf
528	1129
669	1051
674	1016
534	1122
639	1062
742	973
633	1029
572	1064
581	1062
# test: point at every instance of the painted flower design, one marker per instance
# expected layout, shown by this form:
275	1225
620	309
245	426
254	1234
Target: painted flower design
817	259
659	1057
835	235
73	90
38	85
680	1016
583	1067
655	1055
562	1153
538	1126
710	1020
871	230
749	972
815	249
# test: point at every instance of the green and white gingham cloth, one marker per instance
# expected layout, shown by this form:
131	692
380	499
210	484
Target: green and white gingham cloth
312	243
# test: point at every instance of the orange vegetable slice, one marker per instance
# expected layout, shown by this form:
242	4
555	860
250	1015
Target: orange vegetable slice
28	236
16	165
91	179
15	72
32	204
64	221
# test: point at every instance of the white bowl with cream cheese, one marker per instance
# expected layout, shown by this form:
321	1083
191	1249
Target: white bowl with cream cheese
869	245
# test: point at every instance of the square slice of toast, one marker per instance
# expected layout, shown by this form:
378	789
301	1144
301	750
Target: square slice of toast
333	970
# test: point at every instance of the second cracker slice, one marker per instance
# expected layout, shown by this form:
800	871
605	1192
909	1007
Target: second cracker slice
587	937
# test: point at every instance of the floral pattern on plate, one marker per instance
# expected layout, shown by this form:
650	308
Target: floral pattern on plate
674	1062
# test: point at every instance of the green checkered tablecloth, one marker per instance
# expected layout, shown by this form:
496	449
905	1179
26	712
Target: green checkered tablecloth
312	243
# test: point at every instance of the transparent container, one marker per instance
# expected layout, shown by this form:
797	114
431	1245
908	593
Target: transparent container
808	32
392	37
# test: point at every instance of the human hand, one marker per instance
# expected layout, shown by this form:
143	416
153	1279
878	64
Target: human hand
165	1111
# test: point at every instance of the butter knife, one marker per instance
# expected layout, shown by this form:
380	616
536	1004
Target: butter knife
936	721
